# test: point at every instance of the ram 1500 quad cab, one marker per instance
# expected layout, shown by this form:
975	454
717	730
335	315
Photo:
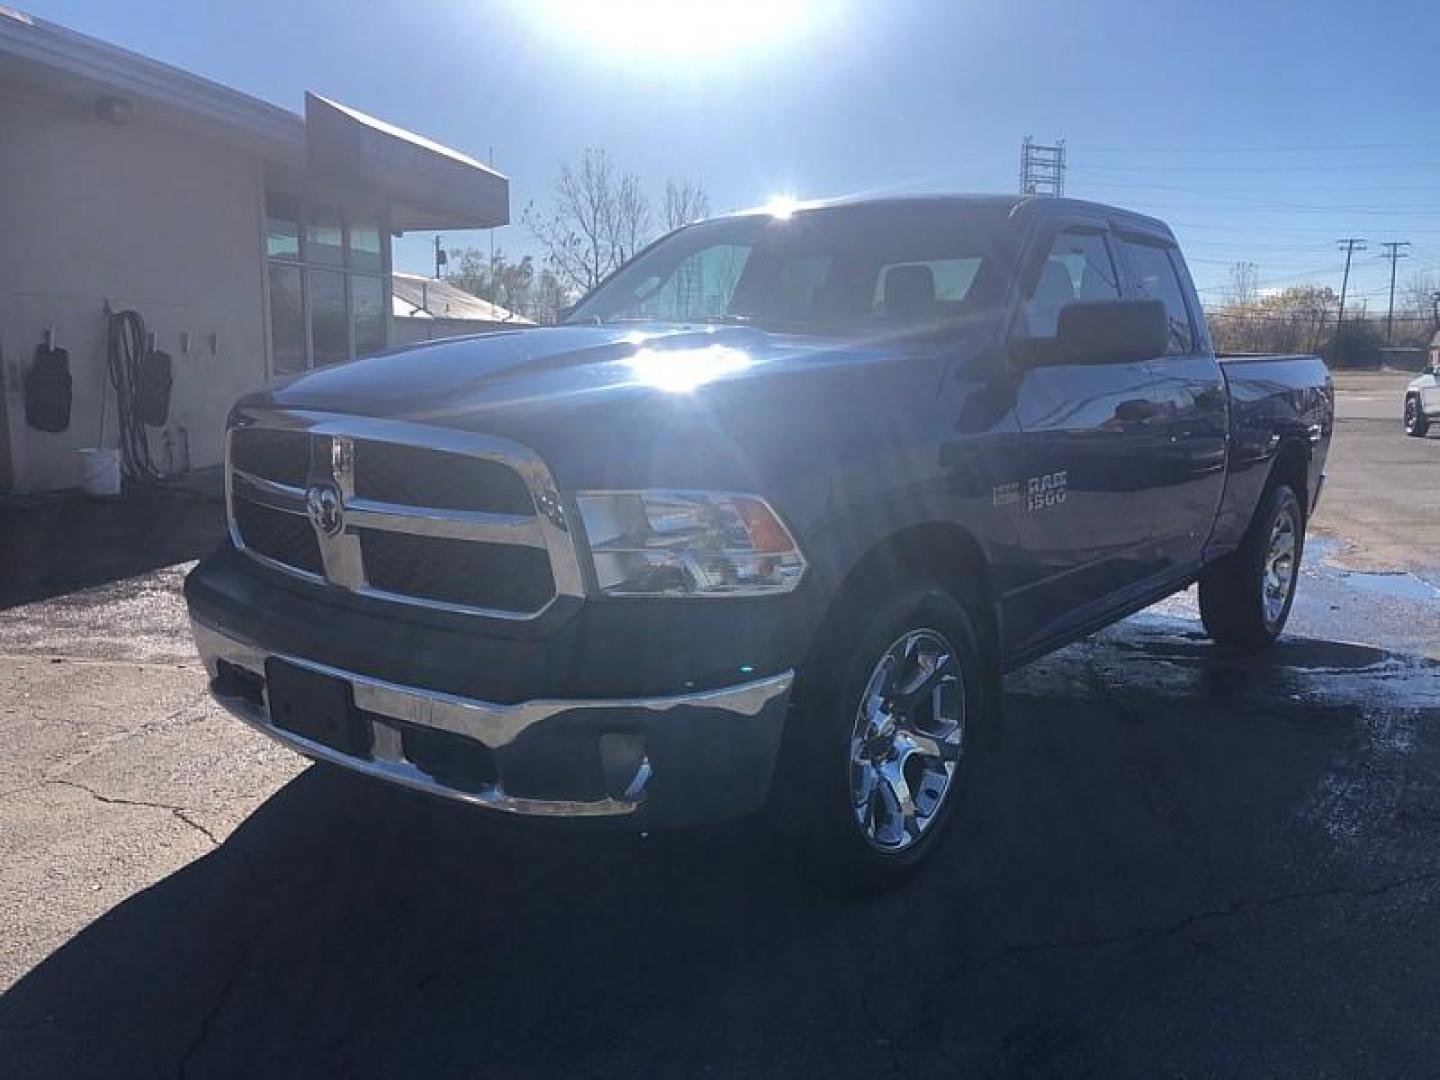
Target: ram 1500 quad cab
763	520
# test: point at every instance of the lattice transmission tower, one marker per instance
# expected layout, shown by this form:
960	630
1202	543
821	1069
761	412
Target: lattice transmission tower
1042	168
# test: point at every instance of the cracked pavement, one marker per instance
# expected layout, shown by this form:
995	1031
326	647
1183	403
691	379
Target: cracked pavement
1177	862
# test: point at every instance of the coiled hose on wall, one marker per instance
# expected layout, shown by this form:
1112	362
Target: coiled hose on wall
125	353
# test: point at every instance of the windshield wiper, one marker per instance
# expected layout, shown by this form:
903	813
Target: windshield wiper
759	322
715	320
724	320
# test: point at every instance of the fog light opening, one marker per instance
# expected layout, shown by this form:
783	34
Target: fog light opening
624	764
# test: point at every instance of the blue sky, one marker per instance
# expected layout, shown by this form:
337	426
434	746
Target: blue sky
1261	131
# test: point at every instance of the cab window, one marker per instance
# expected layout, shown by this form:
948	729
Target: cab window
1152	272
1077	267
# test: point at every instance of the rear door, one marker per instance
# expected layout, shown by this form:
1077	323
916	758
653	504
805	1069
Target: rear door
1194	420
1088	447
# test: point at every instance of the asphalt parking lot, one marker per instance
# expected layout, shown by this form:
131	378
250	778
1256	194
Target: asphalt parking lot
1176	863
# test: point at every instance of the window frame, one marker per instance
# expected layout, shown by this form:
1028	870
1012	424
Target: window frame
1171	251
1037	252
302	262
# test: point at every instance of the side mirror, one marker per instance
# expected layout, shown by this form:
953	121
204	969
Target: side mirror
1111	332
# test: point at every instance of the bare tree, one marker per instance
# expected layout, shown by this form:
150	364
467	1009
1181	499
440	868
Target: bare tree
630	223
598	219
1418	298
1288	320
1244	287
685	201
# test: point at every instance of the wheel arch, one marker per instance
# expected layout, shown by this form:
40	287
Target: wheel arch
1292	466
944	552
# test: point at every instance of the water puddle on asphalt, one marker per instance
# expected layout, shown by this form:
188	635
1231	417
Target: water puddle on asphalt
1393	584
1399	586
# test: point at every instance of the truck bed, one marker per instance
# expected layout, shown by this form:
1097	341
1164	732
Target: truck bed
1272	396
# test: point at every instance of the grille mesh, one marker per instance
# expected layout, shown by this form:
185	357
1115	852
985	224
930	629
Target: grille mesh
516	579
415	476
286	538
458	571
282	456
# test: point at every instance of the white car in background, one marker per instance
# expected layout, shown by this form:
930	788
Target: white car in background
1422	401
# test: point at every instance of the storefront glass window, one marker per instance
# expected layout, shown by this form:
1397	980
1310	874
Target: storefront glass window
364	247
329	327
282	228
367	299
327	284
287	319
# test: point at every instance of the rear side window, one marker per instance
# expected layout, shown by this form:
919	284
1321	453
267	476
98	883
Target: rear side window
1077	267
1154	276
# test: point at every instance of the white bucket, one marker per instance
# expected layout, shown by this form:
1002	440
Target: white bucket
100	471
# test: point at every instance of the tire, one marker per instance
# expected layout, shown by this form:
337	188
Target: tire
866	732
1245	598
1415	422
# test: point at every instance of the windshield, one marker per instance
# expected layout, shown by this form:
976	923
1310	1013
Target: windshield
838	269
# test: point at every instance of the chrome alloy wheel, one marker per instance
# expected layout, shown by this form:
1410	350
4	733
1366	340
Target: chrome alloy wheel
908	738
1279	567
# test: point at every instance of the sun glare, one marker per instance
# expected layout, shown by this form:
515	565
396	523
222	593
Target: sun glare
679	371
781	206
683	29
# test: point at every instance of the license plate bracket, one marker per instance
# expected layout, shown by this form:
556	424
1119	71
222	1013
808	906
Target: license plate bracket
317	707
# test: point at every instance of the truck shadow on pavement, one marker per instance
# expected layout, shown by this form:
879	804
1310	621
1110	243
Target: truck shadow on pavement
57	544
1177	861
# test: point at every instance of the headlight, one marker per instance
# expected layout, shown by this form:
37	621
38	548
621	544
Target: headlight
688	543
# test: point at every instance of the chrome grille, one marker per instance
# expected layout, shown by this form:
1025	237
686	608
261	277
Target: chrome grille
400	511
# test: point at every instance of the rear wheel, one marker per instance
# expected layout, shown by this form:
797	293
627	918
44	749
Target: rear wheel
884	741
1245	598
1415	422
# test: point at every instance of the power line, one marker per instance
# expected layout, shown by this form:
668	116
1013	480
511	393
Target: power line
1324	148
1299	166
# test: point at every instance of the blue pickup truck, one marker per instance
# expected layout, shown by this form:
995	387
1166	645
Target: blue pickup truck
762	522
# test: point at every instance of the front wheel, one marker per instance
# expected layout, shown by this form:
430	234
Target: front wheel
1415	422
885	739
1245	598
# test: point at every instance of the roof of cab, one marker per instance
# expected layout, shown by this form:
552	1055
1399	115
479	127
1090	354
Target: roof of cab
1015	205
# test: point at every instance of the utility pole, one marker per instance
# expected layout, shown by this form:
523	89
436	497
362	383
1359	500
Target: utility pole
1042	168
1394	254
440	259
1349	245
1435	309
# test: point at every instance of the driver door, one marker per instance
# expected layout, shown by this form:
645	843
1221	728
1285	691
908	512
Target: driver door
1089	443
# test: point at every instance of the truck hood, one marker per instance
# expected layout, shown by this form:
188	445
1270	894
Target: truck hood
448	382
635	403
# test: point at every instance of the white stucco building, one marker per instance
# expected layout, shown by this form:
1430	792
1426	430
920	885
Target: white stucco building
253	241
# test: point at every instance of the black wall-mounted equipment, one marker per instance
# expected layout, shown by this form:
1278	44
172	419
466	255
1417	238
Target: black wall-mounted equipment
48	389
153	380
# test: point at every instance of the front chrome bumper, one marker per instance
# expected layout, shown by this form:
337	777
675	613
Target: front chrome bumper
389	707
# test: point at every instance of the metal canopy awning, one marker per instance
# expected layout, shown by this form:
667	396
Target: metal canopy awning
425	185
418	183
